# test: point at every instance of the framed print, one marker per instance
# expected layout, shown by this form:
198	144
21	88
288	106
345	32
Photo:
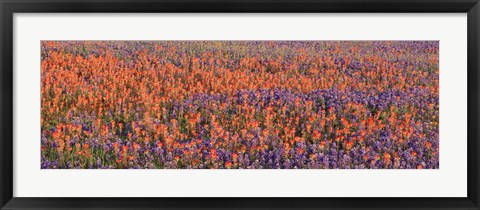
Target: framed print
239	105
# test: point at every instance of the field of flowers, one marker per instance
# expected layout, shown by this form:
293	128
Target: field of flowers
240	104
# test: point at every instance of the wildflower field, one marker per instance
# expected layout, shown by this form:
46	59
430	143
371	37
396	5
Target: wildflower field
240	104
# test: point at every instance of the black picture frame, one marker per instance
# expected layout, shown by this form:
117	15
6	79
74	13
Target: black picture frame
9	7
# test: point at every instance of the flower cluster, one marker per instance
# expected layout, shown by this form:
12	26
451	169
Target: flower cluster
240	104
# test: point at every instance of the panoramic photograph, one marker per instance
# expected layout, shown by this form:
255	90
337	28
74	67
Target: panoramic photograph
239	104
